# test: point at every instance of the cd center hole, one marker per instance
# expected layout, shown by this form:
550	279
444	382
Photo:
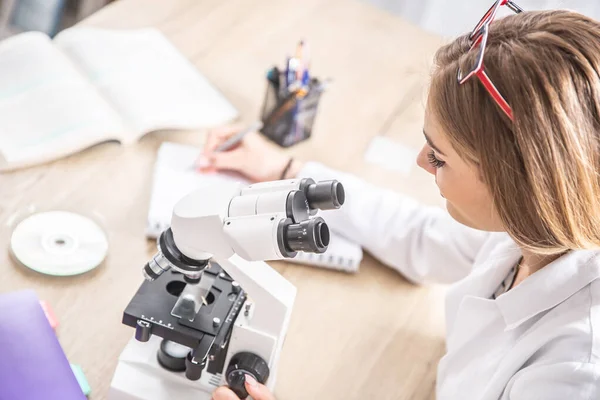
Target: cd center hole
60	242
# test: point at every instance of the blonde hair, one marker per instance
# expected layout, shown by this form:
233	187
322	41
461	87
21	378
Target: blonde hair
542	168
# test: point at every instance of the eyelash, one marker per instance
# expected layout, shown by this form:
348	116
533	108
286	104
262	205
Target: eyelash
434	161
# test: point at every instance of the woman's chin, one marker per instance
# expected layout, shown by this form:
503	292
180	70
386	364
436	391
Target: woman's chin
456	215
487	226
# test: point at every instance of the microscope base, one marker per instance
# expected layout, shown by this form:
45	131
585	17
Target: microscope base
139	376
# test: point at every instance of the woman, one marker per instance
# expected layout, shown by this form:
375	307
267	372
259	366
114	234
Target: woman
514	146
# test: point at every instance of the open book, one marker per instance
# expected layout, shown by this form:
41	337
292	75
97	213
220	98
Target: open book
174	177
88	86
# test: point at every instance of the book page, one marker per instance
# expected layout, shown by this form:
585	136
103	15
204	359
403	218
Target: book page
146	79
47	109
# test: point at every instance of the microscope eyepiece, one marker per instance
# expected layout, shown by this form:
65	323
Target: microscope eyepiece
309	236
325	195
322	234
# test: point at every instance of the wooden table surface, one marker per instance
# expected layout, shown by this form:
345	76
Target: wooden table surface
370	335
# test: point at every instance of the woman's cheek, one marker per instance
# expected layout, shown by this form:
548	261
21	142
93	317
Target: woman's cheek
439	178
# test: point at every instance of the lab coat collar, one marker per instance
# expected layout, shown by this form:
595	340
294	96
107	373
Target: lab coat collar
549	286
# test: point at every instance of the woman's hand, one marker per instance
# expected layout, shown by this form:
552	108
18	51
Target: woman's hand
254	157
255	389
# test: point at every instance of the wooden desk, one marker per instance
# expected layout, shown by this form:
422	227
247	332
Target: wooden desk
365	336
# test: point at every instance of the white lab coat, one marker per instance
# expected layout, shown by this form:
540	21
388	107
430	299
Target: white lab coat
540	340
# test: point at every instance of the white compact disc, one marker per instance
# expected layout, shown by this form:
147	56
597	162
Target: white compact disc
59	243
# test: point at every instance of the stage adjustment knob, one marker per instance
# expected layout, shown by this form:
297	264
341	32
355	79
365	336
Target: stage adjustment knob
193	370
242	364
143	330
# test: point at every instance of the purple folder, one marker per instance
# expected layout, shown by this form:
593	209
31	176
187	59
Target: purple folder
33	366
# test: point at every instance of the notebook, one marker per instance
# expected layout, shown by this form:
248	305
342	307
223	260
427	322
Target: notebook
88	86
174	177
33	365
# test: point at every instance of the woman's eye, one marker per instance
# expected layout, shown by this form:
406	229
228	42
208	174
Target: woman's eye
434	161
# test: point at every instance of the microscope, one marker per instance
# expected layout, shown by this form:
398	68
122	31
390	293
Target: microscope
210	310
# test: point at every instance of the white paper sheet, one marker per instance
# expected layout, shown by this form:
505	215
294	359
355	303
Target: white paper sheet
390	154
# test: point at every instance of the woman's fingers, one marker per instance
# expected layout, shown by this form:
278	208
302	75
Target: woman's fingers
257	390
218	136
223	393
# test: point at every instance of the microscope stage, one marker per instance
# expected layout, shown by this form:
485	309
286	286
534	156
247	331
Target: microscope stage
154	302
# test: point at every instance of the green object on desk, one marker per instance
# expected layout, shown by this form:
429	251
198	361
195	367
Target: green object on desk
83	383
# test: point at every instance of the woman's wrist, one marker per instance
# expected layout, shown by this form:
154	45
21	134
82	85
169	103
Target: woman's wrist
283	168
292	168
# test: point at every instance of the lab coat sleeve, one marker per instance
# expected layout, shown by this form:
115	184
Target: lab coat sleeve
559	381
423	243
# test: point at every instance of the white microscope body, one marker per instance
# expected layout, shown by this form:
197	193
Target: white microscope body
211	309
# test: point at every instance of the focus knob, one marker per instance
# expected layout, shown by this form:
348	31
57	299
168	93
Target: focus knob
242	364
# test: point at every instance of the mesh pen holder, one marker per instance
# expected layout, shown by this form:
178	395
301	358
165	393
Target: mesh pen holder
288	116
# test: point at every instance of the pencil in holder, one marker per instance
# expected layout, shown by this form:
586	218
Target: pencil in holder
288	113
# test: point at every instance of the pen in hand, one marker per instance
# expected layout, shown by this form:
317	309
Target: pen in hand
238	137
202	163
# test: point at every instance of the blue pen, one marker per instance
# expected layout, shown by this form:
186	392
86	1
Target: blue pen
287	71
293	65
305	78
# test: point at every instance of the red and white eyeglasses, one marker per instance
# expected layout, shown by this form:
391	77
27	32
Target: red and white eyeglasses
478	39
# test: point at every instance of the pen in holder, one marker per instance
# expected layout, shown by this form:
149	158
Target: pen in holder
289	111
